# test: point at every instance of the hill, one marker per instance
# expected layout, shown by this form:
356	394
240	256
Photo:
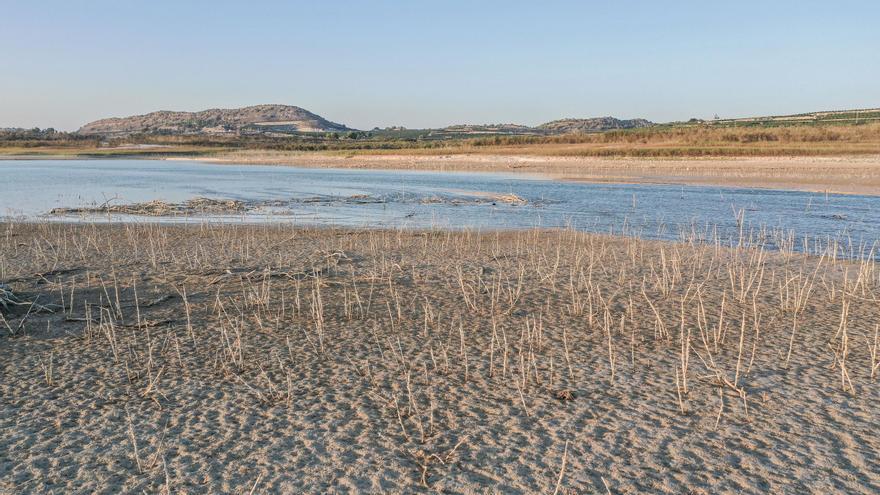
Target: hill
554	128
596	124
259	119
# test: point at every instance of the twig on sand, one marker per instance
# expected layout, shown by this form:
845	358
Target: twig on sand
423	460
259	477
562	469
137	458
23	320
607	488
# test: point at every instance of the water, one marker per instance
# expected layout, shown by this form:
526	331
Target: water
29	189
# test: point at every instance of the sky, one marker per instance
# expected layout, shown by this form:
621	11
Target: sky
430	64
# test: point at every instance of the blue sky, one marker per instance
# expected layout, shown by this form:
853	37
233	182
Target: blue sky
430	64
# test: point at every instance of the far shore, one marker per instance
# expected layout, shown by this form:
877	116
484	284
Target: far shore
826	174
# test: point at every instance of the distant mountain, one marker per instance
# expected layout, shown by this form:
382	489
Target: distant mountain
596	124
259	119
564	126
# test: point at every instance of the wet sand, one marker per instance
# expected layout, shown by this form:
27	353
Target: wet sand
205	359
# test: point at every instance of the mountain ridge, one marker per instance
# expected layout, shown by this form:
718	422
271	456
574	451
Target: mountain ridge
277	119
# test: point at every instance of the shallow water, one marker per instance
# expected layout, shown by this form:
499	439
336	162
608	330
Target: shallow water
30	189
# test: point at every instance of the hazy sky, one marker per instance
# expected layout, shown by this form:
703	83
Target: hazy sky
429	64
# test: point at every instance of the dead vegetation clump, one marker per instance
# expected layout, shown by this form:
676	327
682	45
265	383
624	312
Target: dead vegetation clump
564	395
478	199
510	198
158	208
209	206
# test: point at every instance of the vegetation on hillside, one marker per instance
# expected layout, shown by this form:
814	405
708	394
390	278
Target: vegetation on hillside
826	133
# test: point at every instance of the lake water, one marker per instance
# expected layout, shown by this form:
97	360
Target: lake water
29	189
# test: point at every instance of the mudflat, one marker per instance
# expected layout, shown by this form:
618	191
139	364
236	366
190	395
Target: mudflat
250	359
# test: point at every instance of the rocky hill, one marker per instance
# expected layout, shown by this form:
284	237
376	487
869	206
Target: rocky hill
260	119
568	126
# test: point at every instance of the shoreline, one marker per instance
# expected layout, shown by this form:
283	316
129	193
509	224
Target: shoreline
859	175
831	175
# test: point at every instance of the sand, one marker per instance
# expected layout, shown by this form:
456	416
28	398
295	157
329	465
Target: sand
845	174
270	359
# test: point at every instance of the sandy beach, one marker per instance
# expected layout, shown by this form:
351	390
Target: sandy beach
231	359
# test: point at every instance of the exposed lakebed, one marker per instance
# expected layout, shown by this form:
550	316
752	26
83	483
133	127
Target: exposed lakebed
187	191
